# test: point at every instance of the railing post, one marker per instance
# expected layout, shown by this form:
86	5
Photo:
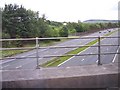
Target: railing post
37	55
99	51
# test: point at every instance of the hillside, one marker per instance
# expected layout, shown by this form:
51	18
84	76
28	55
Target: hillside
100	21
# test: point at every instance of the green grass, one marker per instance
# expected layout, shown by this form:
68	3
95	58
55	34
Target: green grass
110	33
9	53
56	61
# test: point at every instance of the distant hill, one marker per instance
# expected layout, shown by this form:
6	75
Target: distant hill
100	21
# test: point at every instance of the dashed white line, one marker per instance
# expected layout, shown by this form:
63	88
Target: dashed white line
67	67
82	59
72	57
21	56
19	67
107	49
5	66
56	51
96	61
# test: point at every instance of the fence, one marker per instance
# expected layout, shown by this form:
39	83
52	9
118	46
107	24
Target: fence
37	47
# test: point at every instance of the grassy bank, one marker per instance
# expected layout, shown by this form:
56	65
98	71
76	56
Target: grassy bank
8	53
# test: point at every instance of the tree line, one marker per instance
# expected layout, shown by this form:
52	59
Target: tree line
19	22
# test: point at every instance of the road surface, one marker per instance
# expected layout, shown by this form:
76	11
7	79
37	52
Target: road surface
30	63
93	59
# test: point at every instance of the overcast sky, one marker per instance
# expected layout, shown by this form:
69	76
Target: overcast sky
71	10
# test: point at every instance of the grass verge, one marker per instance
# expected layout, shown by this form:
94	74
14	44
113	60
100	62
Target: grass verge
9	53
56	61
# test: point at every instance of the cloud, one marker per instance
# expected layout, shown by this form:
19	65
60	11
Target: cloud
71	10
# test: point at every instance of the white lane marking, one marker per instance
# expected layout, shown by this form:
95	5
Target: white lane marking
67	67
56	51
21	56
7	61
24	56
33	53
19	67
96	61
5	66
79	53
0	61
82	59
107	49
116	54
72	57
26	63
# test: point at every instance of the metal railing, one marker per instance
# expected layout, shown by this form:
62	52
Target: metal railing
37	47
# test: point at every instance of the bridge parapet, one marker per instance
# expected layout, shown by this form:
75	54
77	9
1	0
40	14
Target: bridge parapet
90	76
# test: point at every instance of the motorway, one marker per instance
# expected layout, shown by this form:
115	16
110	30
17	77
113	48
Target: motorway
93	59
30	63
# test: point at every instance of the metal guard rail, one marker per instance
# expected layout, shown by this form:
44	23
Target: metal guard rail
48	56
52	47
52	38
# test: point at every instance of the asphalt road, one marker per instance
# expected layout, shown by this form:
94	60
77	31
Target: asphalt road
30	63
93	59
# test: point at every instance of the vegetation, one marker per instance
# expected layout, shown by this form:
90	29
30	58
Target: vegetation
7	53
57	61
18	22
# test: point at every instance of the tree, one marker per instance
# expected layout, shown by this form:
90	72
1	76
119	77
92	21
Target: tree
71	28
64	32
18	22
43	27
